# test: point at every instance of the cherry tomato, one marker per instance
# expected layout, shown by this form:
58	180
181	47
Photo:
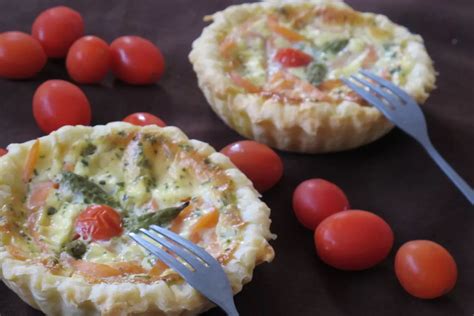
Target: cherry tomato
257	161
88	60
425	269
136	60
57	103
353	240
98	222
289	57
316	199
21	56
3	152
56	29
144	119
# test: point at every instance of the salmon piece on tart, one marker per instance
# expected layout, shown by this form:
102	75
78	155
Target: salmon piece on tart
69	199
272	70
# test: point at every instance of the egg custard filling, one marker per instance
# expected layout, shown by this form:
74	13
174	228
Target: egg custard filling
68	201
301	55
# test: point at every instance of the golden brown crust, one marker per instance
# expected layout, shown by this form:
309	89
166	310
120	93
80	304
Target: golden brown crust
310	127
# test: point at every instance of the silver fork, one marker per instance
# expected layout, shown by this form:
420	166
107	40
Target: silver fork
405	113
201	270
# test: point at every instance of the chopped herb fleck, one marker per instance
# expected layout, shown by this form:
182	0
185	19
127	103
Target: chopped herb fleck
88	150
51	211
84	162
102	182
395	70
185	147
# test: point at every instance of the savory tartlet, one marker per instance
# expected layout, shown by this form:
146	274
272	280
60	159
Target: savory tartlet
68	200
271	71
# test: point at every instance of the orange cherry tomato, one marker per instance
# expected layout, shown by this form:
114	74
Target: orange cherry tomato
98	222
257	161
56	29
136	60
3	152
57	103
316	199
425	269
21	56
88	60
289	57
144	119
353	240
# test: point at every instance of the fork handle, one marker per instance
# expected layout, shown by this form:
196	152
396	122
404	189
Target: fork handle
449	171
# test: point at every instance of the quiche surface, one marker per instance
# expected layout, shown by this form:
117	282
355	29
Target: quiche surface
146	175
271	71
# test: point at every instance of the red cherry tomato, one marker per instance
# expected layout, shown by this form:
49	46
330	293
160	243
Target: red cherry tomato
425	269
57	103
3	152
144	119
289	57
88	60
353	240
21	56
56	29
316	199
257	161
136	60
99	222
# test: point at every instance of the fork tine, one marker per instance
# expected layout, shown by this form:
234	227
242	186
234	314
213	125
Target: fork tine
387	84
188	257
369	97
198	251
168	259
392	100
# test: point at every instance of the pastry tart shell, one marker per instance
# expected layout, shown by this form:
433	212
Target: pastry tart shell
307	127
63	295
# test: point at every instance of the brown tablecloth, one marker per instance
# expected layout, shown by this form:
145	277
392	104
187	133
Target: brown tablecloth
392	177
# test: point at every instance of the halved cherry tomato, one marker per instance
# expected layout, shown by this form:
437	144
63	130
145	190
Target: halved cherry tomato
21	56
56	29
136	60
99	222
257	161
425	269
3	152
88	60
316	199
57	103
144	119
353	240
289	57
